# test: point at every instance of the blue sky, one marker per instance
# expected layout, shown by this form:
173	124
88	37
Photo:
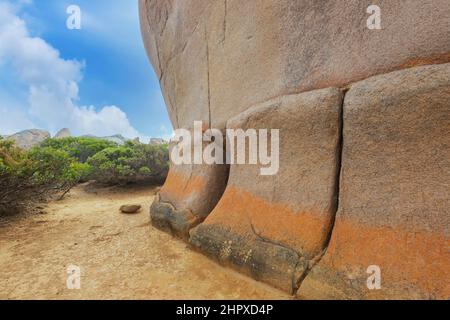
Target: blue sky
96	80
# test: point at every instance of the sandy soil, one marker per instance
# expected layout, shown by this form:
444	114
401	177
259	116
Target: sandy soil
120	256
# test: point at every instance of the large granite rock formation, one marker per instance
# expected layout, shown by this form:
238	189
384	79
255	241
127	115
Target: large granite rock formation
289	65
28	139
394	207
189	194
217	58
277	224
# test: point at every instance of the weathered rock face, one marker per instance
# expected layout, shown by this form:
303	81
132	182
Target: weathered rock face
375	151
28	139
280	220
188	196
217	58
394	195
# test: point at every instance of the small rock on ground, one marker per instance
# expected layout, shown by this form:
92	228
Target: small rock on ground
130	208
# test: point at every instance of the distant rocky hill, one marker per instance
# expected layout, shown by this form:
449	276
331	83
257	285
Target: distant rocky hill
28	139
118	138
63	133
157	141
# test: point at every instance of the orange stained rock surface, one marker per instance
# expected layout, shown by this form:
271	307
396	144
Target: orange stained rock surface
179	187
303	231
403	255
423	61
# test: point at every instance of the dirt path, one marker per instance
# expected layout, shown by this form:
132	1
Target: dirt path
120	256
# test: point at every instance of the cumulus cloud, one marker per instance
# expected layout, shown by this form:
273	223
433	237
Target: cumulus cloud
52	84
13	120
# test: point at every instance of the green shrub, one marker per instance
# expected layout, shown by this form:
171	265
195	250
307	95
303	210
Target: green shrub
80	148
132	162
55	168
29	176
59	164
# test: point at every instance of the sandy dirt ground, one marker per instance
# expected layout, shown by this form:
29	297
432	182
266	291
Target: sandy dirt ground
120	256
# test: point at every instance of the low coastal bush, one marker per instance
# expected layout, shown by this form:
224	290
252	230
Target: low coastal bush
30	176
132	162
80	148
57	165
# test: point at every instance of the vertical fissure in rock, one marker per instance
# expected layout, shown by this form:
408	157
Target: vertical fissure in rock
336	193
337	181
225	13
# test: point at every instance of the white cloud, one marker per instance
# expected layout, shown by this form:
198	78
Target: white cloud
14	121
111	119
52	84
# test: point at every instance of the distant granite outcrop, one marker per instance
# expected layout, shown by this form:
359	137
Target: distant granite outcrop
118	138
28	139
63	133
157	141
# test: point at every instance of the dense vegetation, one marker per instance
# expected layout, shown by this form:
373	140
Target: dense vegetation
79	148
57	165
130	163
